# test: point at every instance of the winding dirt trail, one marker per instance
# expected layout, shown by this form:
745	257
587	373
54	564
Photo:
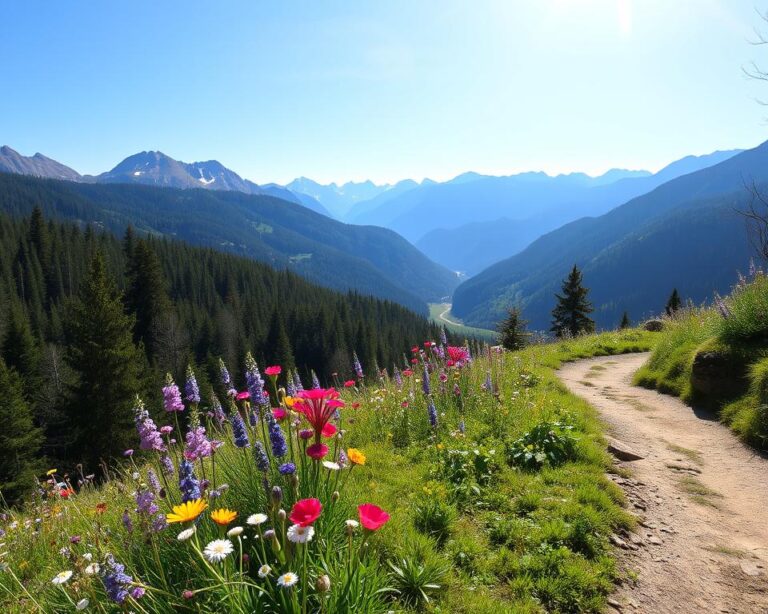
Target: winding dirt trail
701	498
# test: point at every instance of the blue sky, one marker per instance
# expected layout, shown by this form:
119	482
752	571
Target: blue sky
339	90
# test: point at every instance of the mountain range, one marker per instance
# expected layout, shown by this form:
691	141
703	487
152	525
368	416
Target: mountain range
284	234
685	233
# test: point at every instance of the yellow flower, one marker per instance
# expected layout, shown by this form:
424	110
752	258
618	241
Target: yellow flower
223	516
440	446
51	471
289	402
355	456
187	511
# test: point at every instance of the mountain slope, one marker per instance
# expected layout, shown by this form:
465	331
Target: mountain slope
683	234
466	247
373	261
339	199
37	166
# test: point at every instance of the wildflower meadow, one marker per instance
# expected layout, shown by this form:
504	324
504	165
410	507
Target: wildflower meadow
462	479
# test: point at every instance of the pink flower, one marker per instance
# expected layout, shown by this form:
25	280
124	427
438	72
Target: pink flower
243	396
273	371
306	433
407	372
318	406
372	517
305	512
279	413
165	430
349	383
329	430
458	355
317	451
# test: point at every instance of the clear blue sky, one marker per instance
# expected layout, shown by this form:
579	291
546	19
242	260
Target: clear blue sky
338	90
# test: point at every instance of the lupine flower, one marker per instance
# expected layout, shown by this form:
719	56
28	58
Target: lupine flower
287	469
305	511
372	517
260	454
290	386
145	503
297	382
239	431
154	482
191	389
425	381
432	413
488	384
188	483
116	581
398	377
287	580
315	382
167	465
151	438
358	368
218	412
171	396
276	437
137	592
300	534
226	380
198	445
218	550
462	428
253	379
127	522
343	460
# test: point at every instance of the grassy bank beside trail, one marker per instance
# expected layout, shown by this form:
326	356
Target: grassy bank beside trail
717	358
501	506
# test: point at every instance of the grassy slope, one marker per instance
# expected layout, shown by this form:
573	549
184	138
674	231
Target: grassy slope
741	342
520	542
435	309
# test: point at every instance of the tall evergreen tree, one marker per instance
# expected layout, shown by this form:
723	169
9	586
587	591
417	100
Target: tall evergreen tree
146	296
278	349
513	333
108	369
625	321
570	315
20	350
673	303
20	439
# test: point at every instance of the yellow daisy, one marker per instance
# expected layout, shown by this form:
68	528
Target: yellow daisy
223	516
187	512
355	456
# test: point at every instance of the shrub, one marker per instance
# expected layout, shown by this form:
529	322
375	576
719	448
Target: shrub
546	443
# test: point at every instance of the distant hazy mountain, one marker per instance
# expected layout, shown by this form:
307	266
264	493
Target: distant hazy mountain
685	234
373	261
472	198
38	165
339	199
472	246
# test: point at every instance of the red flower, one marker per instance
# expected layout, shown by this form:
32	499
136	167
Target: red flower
427	344
305	512
243	396
349	383
414	361
404	404
65	493
372	517
415	349
276	370
355	405
407	372
329	430
279	413
317	451
449	363
318	406
457	354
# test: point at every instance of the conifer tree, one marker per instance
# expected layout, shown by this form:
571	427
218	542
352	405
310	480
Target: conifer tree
20	439
20	350
570	315
625	321
108	368
673	303
278	349
513	334
146	296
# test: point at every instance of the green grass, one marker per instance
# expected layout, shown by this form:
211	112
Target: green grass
740	340
498	538
455	326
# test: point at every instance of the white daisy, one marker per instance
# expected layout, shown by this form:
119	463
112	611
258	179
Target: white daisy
186	534
264	571
352	524
217	550
257	519
82	604
287	580
92	569
234	531
300	535
331	466
62	577
88	556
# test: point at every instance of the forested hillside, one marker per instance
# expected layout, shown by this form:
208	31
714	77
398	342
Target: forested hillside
371	260
87	320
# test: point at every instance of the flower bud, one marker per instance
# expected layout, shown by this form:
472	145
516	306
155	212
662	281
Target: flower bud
335	496
281	515
188	594
277	495
323	584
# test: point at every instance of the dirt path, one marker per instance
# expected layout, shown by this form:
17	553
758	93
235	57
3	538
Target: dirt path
700	495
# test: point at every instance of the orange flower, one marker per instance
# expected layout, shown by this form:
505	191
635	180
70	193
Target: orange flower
101	508
355	456
223	516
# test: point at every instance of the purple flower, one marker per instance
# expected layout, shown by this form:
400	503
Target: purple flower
260	454
218	412
297	381
188	483
722	308
167	465
171	396
191	389
154	483
397	376
151	439
488	385
128	453
127	522
432	413
276	437
239	431
116	581
443	336
159	523
287	469
253	379
425	381
462	428
226	379
356	365
198	445
315	382
145	503
137	592
343	460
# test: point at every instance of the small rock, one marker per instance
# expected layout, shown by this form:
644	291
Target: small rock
617	541
614	604
622	451
652	539
750	568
